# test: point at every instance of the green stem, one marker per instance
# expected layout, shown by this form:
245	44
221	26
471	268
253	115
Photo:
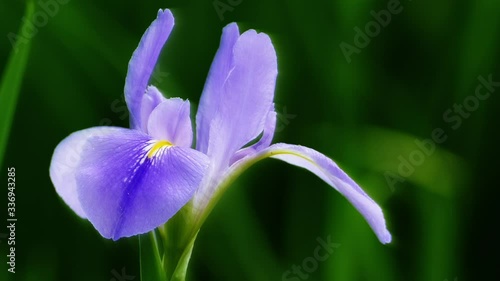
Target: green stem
150	258
180	232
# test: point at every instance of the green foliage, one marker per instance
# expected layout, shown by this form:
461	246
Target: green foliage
151	262
10	85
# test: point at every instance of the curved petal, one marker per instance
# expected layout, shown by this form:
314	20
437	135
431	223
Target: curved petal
143	61
238	94
128	184
151	99
65	161
264	141
171	121
329	172
122	181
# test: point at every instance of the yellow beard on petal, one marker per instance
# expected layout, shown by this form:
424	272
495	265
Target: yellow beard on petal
157	146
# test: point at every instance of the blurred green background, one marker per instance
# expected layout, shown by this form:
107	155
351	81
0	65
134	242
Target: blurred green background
366	114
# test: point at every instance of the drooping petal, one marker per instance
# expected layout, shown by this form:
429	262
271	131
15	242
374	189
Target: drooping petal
234	105
151	99
143	62
329	172
128	184
65	161
124	182
171	121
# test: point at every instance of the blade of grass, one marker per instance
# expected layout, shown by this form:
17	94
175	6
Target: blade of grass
382	150
10	84
151	264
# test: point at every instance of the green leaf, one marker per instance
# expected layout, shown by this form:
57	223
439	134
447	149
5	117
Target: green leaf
10	84
384	151
151	263
180	271
178	242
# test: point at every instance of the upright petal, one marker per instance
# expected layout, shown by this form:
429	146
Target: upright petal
329	172
170	121
151	99
143	61
238	94
212	93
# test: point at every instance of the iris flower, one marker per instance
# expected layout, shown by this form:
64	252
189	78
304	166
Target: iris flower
130	181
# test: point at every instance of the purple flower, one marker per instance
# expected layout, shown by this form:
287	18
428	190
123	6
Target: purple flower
130	181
